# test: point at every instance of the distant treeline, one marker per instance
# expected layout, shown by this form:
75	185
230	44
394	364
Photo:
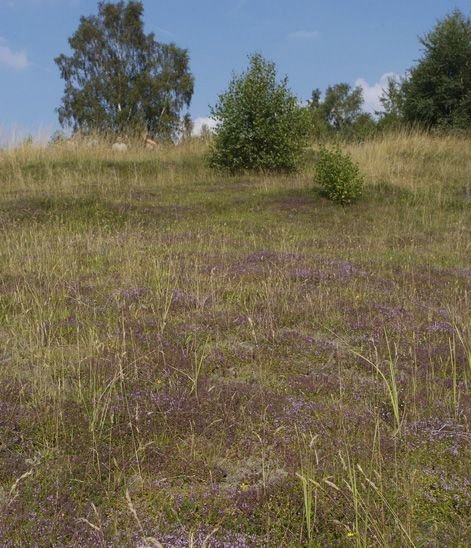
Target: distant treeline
120	80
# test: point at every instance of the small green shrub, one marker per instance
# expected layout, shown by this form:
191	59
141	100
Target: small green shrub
338	175
260	124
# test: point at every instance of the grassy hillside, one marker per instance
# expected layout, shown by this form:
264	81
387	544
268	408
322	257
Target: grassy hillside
193	359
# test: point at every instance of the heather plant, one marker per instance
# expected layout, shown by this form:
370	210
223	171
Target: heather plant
338	175
184	361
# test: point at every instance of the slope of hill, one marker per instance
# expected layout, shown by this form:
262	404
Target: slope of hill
187	357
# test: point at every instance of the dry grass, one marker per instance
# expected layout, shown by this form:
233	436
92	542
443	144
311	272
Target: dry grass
192	359
416	162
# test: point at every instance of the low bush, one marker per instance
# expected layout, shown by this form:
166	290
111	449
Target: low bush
338	175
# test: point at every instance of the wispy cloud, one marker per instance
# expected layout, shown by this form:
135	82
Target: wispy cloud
304	35
14	59
372	93
237	7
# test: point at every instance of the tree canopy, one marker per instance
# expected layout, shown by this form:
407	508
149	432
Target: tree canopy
438	89
340	113
119	78
342	106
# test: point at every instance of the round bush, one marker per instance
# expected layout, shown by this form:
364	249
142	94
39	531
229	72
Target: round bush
338	175
260	123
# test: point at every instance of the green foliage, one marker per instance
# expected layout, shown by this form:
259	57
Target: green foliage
438	90
260	123
342	106
119	78
318	127
364	127
339	114
338	175
392	101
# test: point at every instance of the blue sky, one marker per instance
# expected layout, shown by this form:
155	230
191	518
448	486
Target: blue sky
315	43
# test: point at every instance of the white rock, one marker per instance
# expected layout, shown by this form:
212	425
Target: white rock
119	147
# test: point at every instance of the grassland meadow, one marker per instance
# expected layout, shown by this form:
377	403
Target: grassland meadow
189	358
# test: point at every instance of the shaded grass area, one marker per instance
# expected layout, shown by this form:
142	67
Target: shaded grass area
192	358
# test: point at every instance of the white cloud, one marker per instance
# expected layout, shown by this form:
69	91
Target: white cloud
199	123
304	34
13	59
237	7
371	94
